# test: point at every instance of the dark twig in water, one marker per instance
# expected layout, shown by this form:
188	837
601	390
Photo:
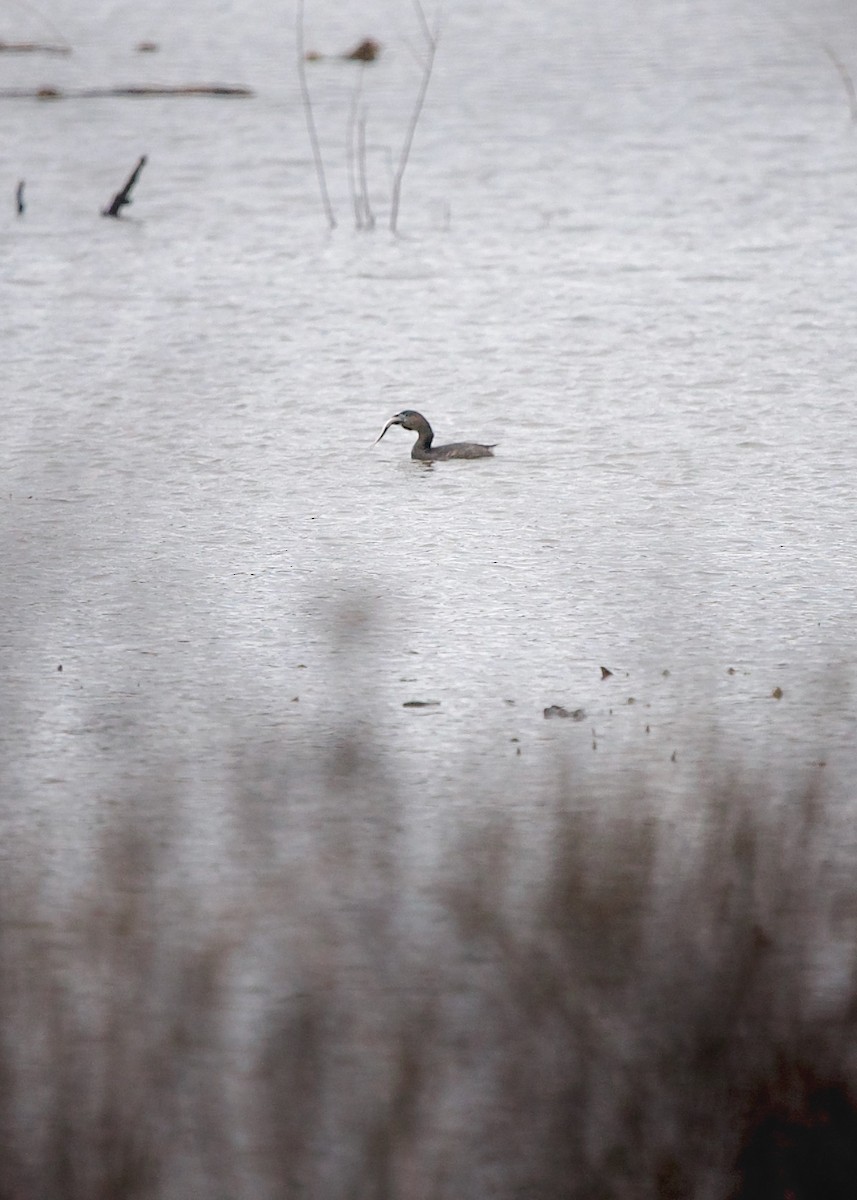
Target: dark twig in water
310	119
19	198
124	197
847	81
431	49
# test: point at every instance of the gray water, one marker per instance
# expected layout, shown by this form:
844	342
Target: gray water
626	254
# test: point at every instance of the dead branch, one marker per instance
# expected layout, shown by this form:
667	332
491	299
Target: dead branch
124	197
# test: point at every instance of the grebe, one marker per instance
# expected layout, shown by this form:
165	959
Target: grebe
423	450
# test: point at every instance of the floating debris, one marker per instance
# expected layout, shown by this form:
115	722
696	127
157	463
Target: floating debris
777	693
182	89
147	47
19	198
421	704
606	673
556	710
32	48
365	51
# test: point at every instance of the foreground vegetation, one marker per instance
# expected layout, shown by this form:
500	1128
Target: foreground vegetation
594	1002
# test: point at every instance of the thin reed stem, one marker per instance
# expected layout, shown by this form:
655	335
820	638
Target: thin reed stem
847	81
310	119
366	204
350	151
431	49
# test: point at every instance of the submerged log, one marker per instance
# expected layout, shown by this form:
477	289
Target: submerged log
185	89
32	48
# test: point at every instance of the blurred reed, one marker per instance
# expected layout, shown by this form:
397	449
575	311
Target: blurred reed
599	1001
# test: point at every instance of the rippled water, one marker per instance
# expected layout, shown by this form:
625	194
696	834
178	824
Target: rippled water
627	255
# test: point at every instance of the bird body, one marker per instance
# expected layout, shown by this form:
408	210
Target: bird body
423	449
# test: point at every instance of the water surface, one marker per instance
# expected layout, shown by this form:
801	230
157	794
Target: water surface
626	254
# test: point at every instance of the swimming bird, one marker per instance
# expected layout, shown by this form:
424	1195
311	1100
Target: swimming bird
423	450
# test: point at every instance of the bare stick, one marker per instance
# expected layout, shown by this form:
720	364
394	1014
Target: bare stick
847	81
310	119
431	49
368	215
124	197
